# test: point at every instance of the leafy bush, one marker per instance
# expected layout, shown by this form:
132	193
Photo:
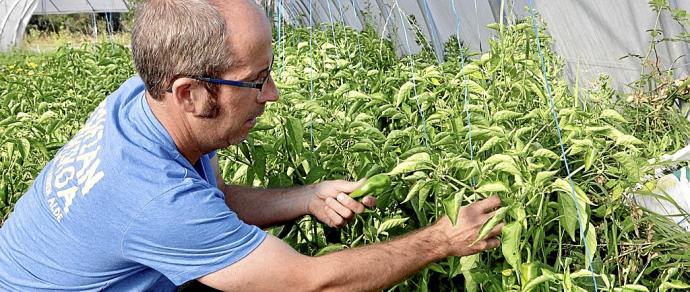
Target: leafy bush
351	109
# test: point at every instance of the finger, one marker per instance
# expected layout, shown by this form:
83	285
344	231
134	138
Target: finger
369	201
339	208
487	216
336	219
350	203
347	186
496	231
490	243
488	204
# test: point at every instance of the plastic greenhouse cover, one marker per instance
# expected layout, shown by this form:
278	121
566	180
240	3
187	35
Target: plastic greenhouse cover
593	37
15	14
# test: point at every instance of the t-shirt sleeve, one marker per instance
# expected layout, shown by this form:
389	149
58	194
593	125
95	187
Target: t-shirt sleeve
189	232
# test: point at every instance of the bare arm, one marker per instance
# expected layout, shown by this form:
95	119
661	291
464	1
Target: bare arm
328	201
267	207
276	266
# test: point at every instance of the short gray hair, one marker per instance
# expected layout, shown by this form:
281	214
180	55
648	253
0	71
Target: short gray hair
177	38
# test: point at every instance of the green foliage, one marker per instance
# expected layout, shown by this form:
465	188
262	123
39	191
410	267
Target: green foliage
371	113
407	118
44	101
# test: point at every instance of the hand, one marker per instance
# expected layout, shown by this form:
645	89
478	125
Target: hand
332	205
466	230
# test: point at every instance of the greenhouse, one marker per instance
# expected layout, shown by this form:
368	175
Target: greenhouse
135	155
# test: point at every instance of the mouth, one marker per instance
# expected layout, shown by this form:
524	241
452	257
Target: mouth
252	121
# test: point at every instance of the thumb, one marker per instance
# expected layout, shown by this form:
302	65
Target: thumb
348	186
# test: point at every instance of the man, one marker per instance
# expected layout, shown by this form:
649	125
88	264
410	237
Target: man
133	202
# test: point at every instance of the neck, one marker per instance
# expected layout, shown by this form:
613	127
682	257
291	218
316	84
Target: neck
177	127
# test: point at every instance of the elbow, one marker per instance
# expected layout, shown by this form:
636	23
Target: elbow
312	280
322	276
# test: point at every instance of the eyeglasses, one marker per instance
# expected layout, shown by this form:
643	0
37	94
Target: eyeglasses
255	85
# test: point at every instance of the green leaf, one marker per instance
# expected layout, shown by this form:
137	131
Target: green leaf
240	174
503	115
496	158
403	93
413	163
509	168
295	133
510	243
3	193
330	248
259	163
612	116
580	146
425	191
581	274
354	94
391	223
591	242
342	89
674	284
522	131
362	147
569	211
414	190
564	186
493	187
634	287
568	214
493	141
538	91
629	164
489	225
468	69
543	176
545	153
474	87
451	205
590	157
467	263
537	281
628	140
24	148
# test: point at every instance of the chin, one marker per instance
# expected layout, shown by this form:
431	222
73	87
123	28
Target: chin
237	139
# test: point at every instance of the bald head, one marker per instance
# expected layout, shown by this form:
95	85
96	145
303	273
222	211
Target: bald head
195	38
248	29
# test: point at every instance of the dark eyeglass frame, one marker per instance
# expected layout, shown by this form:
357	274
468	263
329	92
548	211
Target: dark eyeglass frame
244	84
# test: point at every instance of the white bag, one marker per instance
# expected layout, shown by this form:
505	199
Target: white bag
671	191
673	197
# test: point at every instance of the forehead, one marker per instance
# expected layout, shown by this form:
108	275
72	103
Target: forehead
248	33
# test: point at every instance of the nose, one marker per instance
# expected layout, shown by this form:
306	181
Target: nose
269	92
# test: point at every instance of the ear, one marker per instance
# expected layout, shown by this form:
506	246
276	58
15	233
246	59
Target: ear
184	91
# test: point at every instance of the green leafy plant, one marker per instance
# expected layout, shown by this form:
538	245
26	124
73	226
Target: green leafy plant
351	109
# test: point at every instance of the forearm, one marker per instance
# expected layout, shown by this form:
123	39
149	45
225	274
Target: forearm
267	207
377	266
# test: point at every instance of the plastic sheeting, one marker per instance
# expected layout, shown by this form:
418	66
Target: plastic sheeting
79	6
15	14
592	36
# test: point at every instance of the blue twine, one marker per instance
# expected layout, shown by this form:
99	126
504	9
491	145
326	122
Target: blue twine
311	74
461	56
414	84
560	141
330	17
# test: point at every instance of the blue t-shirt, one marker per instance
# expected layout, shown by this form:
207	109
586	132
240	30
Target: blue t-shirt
119	208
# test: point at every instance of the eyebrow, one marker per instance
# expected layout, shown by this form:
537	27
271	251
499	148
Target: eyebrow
256	75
